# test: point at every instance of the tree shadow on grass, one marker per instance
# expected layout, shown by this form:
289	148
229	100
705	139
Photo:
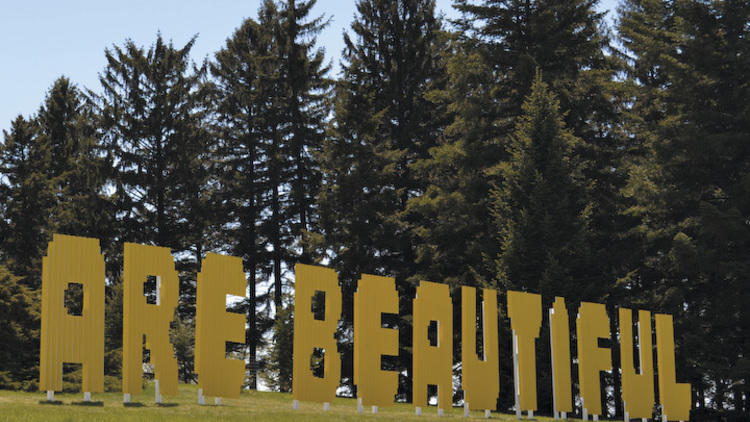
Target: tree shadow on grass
88	403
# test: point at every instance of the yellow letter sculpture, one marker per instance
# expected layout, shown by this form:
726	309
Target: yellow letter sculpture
480	377
374	296
433	365
525	312
141	318
65	337
214	326
562	396
591	325
637	389
310	333
673	396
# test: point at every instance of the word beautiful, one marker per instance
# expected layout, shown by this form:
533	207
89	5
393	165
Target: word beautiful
80	338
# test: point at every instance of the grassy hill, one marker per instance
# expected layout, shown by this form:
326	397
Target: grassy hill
255	406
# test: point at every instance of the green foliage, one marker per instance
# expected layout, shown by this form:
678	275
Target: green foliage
277	374
19	329
541	209
520	147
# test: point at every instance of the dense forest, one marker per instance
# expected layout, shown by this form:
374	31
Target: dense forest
530	145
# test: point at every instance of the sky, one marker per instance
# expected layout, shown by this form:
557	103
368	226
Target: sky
42	40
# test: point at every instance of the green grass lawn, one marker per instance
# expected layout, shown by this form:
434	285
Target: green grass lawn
251	406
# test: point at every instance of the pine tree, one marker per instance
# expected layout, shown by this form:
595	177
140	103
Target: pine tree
307	90
688	183
541	209
19	329
151	120
79	166
241	91
28	199
271	97
382	125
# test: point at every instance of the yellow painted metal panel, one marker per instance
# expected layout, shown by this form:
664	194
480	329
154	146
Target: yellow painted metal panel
218	376
70	338
525	312
433	365
374	296
150	320
310	334
560	344
591	325
673	396
637	388
480	377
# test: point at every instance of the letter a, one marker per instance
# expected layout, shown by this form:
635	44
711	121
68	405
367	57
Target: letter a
66	337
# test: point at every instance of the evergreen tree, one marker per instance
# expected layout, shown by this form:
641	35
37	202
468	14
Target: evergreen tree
19	329
152	122
79	166
541	209
271	97
240	72
382	125
688	184
28	199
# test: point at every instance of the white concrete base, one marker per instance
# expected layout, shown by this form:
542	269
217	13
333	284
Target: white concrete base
217	401
157	394
585	414
487	413
360	408
374	410
201	399
466	410
555	415
563	415
87	396
530	414
518	413
627	417
440	412
326	406
295	404
50	395
418	411
596	418
126	398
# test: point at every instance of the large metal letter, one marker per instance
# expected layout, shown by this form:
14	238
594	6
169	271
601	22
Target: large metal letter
480	377
591	325
66	337
562	400
374	296
150	320
433	365
637	389
218	376
673	396
310	334
525	312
